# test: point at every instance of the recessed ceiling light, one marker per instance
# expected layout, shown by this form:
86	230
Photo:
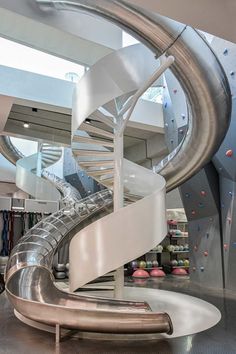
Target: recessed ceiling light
26	125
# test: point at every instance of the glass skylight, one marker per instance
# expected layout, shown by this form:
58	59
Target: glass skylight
154	94
21	57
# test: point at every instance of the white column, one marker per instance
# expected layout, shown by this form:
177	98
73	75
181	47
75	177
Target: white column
118	195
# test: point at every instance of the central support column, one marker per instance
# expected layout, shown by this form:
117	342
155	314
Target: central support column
118	193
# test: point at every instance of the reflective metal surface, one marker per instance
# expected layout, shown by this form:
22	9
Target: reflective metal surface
197	69
30	285
29	279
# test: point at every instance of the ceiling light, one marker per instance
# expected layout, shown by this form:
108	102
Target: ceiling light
26	125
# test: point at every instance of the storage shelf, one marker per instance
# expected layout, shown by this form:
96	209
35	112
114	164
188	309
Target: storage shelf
176	236
148	268
180	251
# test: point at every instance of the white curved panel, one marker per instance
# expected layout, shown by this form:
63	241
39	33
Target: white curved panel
32	184
114	75
124	235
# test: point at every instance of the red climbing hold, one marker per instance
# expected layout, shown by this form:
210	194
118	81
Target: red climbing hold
203	193
229	153
193	212
205	253
225	246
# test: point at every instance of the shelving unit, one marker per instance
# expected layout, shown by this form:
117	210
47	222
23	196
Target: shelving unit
167	259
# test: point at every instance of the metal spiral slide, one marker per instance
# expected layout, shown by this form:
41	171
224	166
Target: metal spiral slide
129	232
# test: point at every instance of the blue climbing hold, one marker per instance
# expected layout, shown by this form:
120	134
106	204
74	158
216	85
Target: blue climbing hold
225	52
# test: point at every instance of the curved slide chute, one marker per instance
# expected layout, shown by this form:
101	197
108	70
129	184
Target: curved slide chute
29	280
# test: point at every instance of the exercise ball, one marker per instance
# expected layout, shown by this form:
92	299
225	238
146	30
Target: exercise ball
140	273
157	273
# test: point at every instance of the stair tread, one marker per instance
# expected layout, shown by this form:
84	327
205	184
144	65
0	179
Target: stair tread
91	140
90	128
97	163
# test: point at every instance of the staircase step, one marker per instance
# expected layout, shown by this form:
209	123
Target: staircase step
96	163
94	153
97	115
100	172
107	181
111	107
91	129
89	140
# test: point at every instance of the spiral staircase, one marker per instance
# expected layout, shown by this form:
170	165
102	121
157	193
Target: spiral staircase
31	169
104	240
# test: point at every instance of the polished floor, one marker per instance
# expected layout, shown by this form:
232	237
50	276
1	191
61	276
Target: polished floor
16	337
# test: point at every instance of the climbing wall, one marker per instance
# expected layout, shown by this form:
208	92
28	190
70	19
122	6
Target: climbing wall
201	202
225	163
211	226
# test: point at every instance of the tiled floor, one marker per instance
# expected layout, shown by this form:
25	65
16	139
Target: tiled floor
15	337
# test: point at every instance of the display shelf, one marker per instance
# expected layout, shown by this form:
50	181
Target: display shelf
148	268
174	252
153	251
176	236
179	267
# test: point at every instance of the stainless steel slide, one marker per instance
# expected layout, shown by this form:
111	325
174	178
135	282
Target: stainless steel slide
29	280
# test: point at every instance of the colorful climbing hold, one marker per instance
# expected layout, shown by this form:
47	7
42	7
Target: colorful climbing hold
202	269
231	194
193	212
225	246
194	269
195	248
175	91
187	195
201	205
232	73
229	153
205	253
225	52
203	193
183	115
165	104
207	234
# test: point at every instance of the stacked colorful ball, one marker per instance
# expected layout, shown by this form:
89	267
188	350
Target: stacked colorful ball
134	264
155	264
149	264
142	264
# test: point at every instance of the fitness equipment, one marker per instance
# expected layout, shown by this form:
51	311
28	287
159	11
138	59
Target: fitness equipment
179	271
186	263
155	264
180	263
134	264
149	264
5	231
2	284
159	248
157	273
142	264
140	273
174	263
